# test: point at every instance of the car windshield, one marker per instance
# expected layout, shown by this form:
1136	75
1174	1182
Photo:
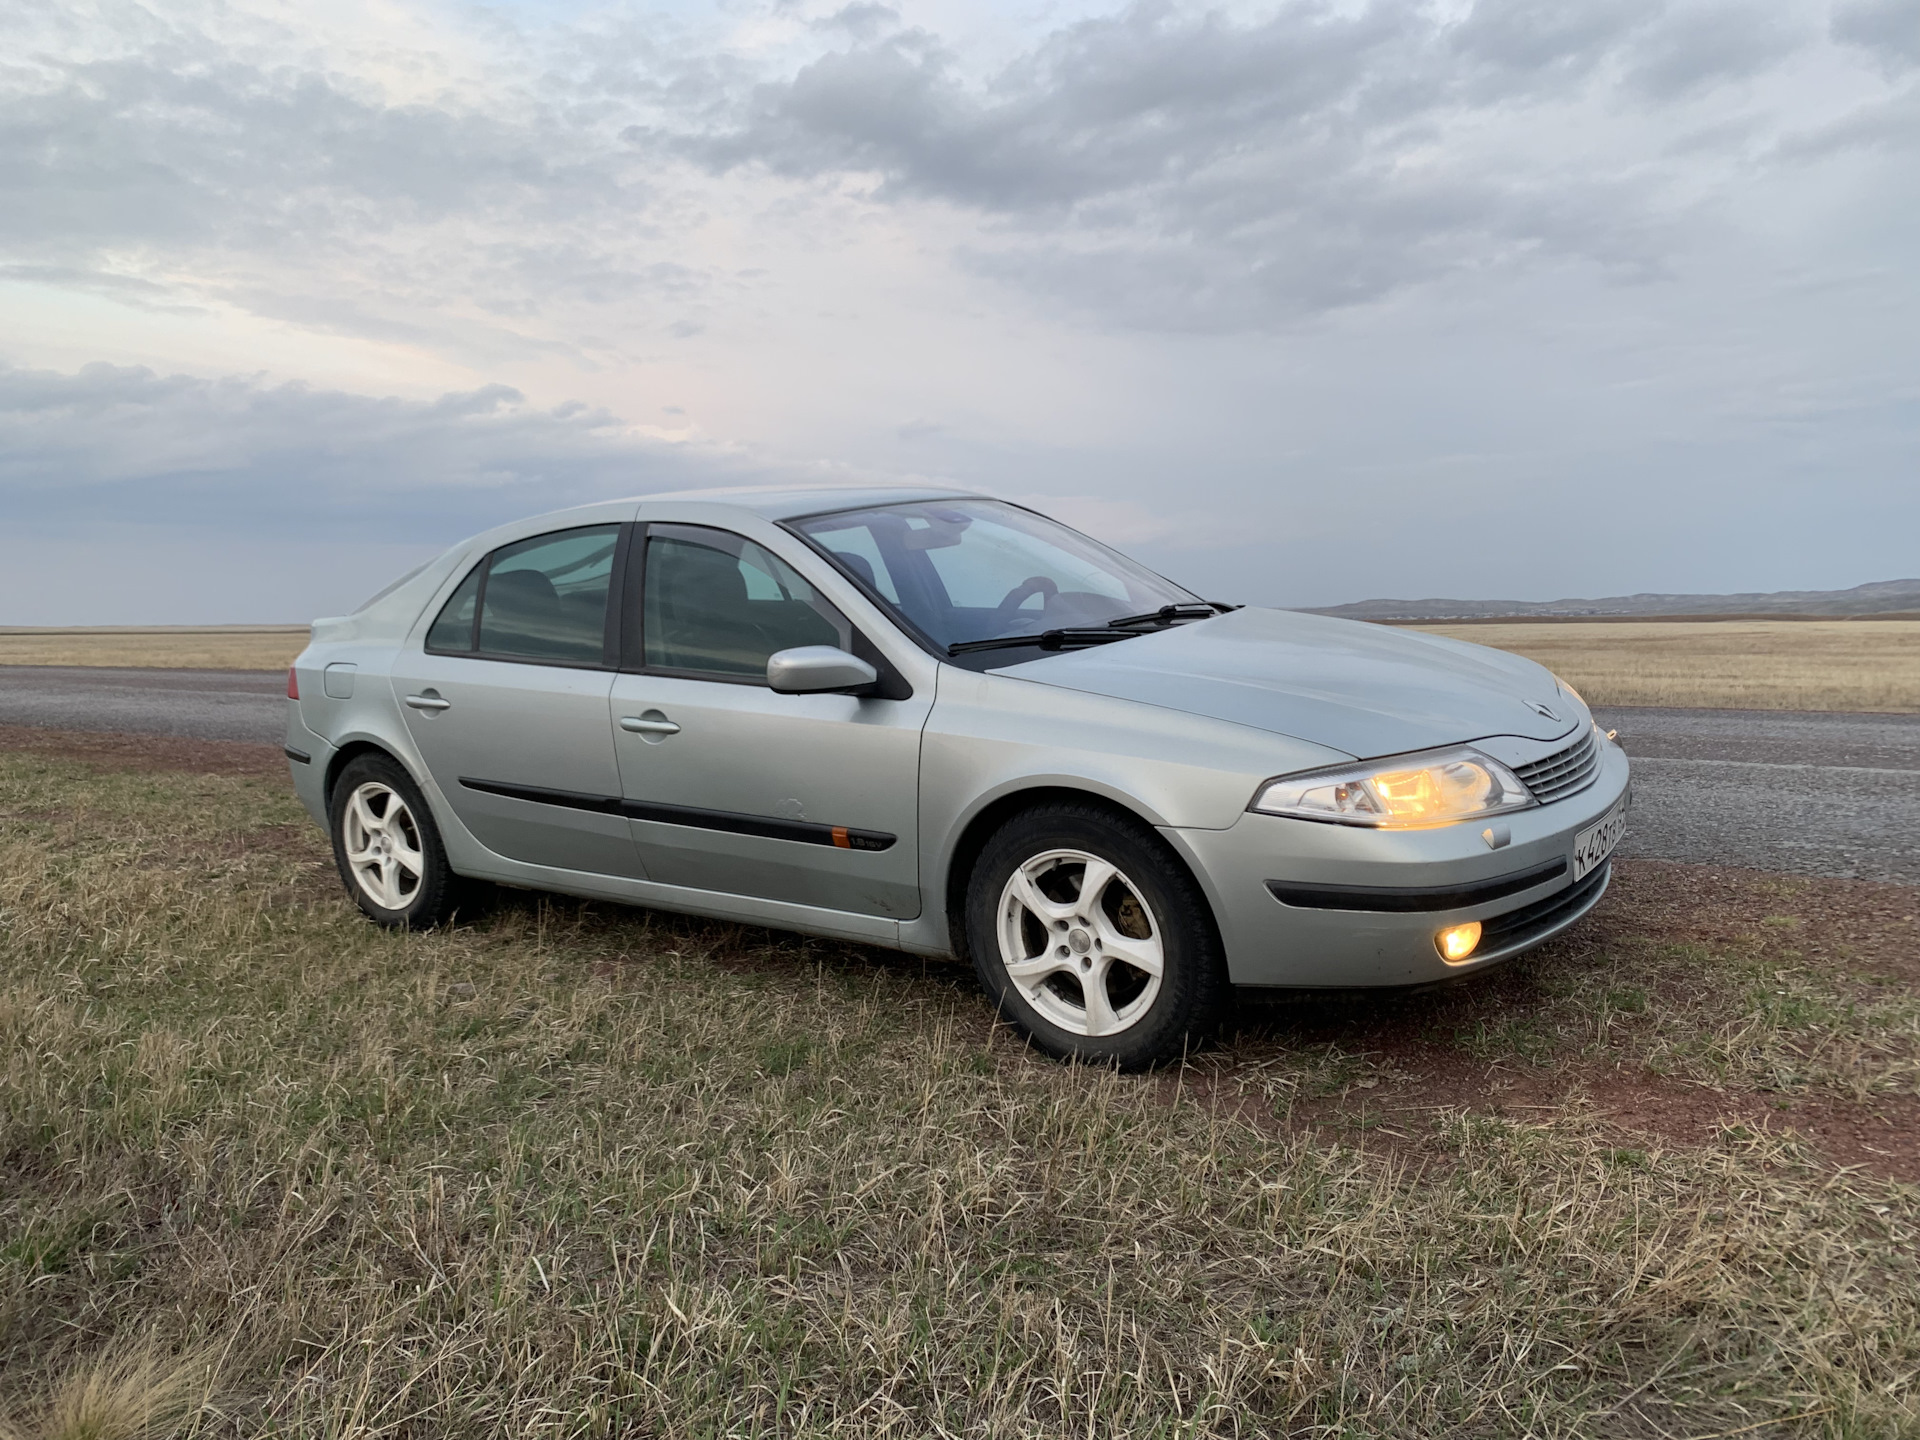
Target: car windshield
960	571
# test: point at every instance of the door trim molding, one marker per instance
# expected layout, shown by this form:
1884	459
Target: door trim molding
770	827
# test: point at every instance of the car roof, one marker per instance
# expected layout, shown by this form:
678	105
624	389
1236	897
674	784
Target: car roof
785	502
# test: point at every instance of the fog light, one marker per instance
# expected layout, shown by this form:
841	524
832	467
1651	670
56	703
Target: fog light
1457	942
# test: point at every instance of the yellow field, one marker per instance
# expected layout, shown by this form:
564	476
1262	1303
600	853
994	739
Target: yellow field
1739	664
185	647
1744	664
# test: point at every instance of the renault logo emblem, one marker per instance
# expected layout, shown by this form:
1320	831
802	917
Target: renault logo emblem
1539	709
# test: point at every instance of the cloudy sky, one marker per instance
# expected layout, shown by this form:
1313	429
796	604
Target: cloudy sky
1301	302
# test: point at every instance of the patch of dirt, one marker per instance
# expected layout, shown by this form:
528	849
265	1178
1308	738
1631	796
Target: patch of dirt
1867	924
296	842
1881	1136
112	750
1415	1062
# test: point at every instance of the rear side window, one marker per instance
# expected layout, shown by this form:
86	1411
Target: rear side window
453	630
543	599
718	604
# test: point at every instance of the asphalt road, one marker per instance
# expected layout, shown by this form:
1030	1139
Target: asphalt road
1805	792
1802	792
248	705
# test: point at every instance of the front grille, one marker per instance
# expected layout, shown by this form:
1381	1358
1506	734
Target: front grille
1519	928
1564	771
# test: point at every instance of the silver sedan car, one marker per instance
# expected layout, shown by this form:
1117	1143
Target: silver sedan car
944	723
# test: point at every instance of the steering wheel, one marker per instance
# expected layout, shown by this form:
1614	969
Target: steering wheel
1021	593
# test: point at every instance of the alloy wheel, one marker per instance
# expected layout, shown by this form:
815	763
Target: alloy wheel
383	846
1080	942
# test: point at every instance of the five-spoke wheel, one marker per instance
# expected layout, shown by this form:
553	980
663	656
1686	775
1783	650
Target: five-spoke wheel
387	847
1079	942
1093	937
383	845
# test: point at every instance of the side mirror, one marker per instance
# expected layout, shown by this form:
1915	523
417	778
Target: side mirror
813	669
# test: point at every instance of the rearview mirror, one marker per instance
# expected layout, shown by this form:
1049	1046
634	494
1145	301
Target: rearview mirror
813	669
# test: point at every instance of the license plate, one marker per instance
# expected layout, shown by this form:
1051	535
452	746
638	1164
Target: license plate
1593	844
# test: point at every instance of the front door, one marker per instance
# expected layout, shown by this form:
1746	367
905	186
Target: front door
507	701
811	799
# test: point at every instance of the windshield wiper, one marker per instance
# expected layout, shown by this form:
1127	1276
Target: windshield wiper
1167	614
1073	638
1079	636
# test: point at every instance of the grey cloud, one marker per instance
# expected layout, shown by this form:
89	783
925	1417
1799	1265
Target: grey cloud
164	165
862	21
1102	107
1890	29
127	289
1701	45
1891	126
140	447
1161	166
1190	171
1335	246
156	147
1539	42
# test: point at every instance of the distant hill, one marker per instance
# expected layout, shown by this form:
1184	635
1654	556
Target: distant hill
1878	598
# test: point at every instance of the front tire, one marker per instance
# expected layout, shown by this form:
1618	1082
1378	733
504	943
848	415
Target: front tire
387	847
1093	939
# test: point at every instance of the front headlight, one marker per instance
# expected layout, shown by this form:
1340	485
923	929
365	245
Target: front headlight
1408	791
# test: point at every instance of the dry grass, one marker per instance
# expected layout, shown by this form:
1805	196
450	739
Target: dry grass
205	647
1737	664
134	1391
1740	664
580	1171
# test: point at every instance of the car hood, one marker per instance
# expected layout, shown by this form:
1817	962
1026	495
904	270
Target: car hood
1366	689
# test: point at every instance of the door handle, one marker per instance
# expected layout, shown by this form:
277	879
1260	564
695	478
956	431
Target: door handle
429	701
640	725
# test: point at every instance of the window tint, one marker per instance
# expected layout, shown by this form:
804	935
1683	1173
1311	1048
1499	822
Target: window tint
721	604
546	598
854	547
453	630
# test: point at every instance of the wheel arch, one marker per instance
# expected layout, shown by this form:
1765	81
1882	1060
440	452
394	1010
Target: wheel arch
980	827
346	755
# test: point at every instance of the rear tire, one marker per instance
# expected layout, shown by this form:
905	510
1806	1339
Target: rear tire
387	847
1129	972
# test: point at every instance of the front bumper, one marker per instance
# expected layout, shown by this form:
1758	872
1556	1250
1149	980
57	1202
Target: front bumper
1321	935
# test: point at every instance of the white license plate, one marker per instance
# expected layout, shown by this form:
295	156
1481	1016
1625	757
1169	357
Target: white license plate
1593	844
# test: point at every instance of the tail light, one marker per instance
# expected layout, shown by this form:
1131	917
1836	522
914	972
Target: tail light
293	684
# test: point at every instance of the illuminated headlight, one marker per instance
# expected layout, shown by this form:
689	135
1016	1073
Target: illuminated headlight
1406	792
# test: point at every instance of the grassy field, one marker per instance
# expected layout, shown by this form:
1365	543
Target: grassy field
1738	664
197	647
573	1170
1742	664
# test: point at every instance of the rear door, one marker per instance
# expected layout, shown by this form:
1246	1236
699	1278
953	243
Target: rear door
811	799
507	701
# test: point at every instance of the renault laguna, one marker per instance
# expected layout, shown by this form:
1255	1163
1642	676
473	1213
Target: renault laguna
948	724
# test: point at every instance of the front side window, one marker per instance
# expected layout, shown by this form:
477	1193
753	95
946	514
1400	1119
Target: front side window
716	603
541	599
964	570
